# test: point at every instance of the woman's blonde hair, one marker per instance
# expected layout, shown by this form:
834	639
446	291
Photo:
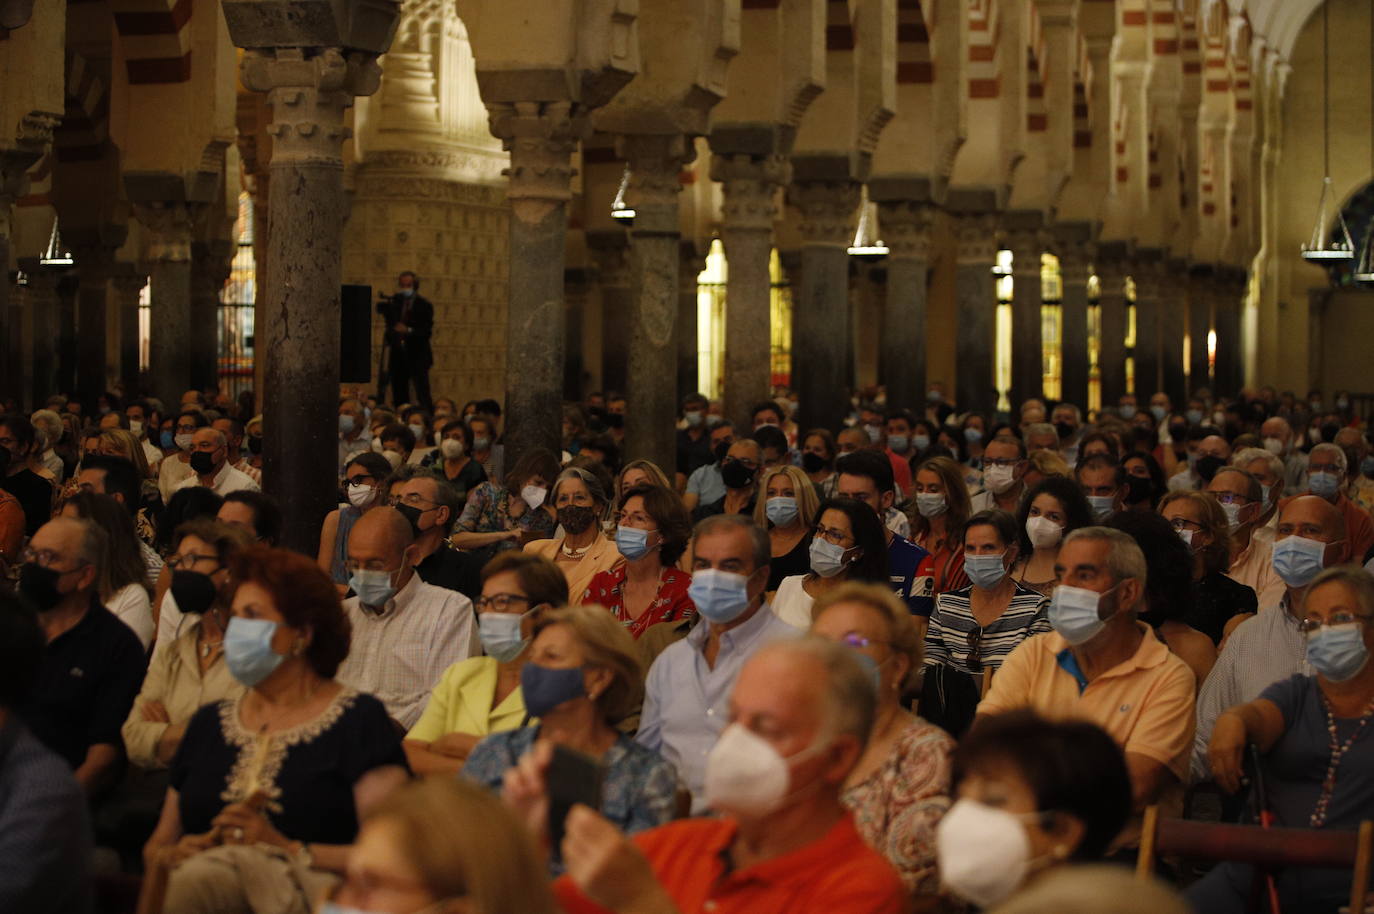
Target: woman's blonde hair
902	633
956	494
129	448
495	866
650	469
606	645
1217	554
807	502
1048	463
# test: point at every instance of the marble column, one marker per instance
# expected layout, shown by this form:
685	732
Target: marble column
690	265
169	330
95	263
577	286
976	292
655	162
68	285
298	322
1155	283
822	347
41	300
211	262
1074	242
748	208
1199	323
615	281
1229	287
1110	261
905	228
1025	236
128	282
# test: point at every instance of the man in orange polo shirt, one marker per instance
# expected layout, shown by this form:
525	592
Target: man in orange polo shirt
1101	664
801	712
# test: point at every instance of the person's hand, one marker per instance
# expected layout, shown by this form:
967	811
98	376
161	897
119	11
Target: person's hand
1226	751
168	742
400	327
155	712
524	793
607	866
454	745
244	823
169	855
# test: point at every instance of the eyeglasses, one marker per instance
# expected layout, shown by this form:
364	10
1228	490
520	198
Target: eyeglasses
831	535
360	479
1182	523
1311	624
856	640
189	560
46	558
414	499
1232	498
498	602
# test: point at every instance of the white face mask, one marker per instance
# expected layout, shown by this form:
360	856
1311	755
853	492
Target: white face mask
999	479
136	428
1274	446
746	776
451	448
1043	532
983	854
534	495
360	495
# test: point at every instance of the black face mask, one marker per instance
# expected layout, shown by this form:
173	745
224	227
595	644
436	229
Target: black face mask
412	515
194	592
1139	489
203	463
720	450
1065	430
4	459
576	518
813	463
255	444
39	586
735	474
1179	433
1207	467
614	420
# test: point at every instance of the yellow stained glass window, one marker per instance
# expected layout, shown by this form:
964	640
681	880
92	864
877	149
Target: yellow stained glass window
1051	326
780	323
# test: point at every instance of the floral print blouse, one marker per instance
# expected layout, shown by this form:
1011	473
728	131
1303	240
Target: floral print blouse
898	806
671	604
488	511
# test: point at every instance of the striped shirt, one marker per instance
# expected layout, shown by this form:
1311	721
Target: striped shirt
947	638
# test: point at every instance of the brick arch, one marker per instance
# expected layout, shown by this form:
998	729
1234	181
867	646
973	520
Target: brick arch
156	39
85	126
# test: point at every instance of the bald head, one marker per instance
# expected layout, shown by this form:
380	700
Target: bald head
1312	517
379	539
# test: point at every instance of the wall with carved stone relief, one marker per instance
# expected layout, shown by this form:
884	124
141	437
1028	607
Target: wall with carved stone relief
456	237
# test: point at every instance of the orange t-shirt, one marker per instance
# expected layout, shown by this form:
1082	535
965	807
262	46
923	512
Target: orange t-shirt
838	873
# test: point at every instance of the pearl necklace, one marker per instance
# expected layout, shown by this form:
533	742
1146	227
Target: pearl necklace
1338	752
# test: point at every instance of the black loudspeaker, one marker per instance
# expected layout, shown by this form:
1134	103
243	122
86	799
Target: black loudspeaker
355	334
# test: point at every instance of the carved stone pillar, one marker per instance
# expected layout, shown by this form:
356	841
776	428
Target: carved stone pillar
749	184
655	162
210	265
95	265
610	251
1229	289
1025	236
128	281
1075	257
298	323
169	224
905	228
1110	260
1200	279
822	347
976	293
41	300
1160	285
690	265
67	288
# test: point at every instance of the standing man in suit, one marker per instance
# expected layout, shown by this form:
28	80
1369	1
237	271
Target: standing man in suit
409	324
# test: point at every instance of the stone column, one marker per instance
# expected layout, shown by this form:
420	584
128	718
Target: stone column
1110	260
32	138
749	185
128	282
1230	286
42	303
577	285
1075	256
169	332
298	323
822	347
1026	239
690	265
905	228
95	263
610	250
1151	281
211	262
68	285
1199	323
655	161
976	292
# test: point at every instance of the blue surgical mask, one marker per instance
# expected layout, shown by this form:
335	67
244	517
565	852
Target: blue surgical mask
167	439
921	441
1075	613
500	635
875	433
1338	651
545	688
1298	560
1126	412
827	559
898	443
972	435
781	510
346	424
248	650
1159	413
720	596
1102	505
373	588
1323	484
985	571
632	542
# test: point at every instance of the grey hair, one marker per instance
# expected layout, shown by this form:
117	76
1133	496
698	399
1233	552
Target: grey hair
1041	428
1253	490
1360	582
1125	560
1064	404
219	435
94	549
1339	455
850	698
758	537
49	425
594	487
1249	455
445	495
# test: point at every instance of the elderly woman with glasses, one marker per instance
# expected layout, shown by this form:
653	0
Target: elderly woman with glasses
578	500
1315	756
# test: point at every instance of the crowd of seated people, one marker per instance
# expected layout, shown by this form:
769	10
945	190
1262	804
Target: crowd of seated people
906	662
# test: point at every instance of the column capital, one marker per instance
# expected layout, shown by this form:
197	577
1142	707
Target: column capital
1025	234
976	234
540	137
128	278
827	208
904	226
750	183
170	225
656	161
309	89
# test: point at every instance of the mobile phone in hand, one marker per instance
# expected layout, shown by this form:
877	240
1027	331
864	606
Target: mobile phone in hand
572	778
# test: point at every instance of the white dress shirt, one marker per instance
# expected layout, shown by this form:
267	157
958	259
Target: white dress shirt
400	653
131	605
172	474
226	480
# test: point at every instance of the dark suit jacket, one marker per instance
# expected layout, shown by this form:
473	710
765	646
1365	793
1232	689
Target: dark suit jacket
413	346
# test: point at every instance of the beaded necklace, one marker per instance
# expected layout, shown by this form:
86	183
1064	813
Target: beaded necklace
1338	752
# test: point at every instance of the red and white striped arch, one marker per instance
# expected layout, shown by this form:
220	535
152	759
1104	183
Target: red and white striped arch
156	38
